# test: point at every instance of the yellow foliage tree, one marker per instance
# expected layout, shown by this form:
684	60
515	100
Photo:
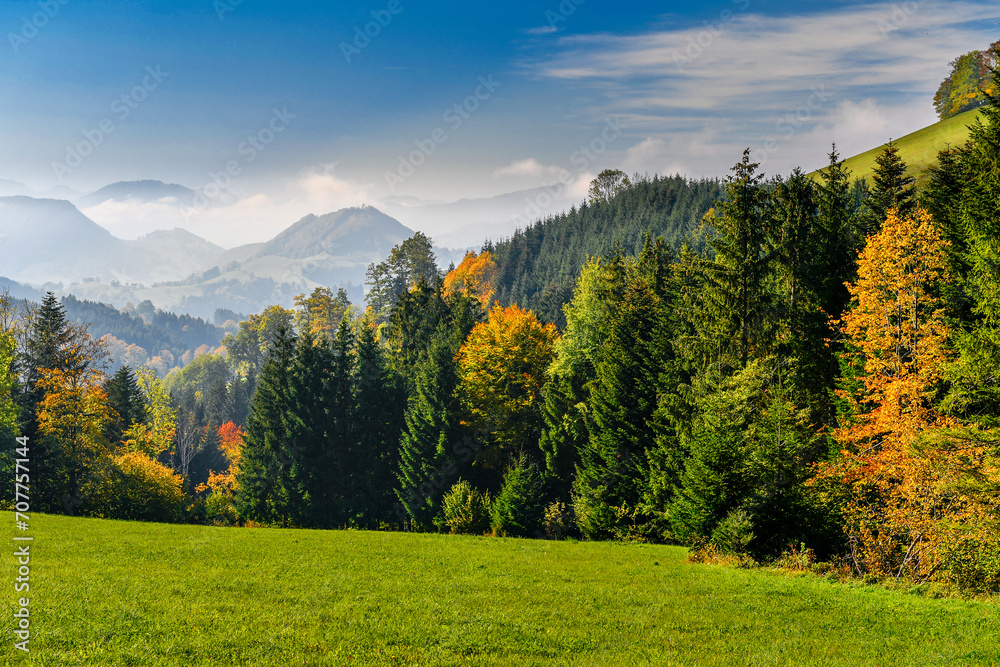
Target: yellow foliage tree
476	276
904	509
156	435
502	369
72	416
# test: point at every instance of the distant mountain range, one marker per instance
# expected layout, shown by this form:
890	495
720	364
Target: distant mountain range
50	244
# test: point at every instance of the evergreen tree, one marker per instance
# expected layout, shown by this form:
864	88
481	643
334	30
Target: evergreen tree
435	447
377	426
893	188
309	445
840	239
632	359
265	469
128	406
737	314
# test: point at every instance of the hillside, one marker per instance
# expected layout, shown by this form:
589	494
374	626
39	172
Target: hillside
129	593
539	265
919	149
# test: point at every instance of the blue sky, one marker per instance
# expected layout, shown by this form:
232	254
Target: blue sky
690	85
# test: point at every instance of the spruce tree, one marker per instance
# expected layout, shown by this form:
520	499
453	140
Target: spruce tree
435	447
265	467
378	425
127	404
737	317
893	188
308	445
837	251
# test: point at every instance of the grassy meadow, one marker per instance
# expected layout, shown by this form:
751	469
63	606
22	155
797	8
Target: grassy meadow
114	593
919	149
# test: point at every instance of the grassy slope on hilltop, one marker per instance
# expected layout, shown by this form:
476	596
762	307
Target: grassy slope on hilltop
113	593
919	149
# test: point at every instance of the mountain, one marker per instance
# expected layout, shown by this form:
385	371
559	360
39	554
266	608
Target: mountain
50	241
146	192
918	149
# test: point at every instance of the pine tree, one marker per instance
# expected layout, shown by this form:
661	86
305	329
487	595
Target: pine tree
265	468
126	402
737	316
435	447
893	188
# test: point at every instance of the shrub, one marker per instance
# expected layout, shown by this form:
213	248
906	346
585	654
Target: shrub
734	534
466	510
519	510
559	520
137	488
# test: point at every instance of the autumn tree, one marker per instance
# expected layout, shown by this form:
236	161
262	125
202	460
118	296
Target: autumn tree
501	370
968	85
899	331
72	418
320	313
476	276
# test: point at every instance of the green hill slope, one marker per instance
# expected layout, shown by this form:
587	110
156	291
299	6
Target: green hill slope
115	593
919	149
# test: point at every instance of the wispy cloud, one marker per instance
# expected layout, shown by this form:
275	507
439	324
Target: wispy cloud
734	81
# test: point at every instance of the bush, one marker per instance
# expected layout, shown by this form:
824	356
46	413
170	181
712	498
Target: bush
137	488
559	520
220	508
734	534
466	510
519	510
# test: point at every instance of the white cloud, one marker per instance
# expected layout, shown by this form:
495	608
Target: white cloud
530	168
695	97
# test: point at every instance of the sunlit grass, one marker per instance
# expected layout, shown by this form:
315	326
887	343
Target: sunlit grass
112	593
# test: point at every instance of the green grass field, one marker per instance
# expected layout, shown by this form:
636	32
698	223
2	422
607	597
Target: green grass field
112	593
920	149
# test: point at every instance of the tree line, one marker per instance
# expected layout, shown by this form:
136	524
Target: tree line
814	370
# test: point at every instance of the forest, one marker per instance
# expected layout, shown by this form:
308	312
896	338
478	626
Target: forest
753	368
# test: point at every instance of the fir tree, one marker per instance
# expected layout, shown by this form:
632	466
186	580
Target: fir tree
737	315
265	468
127	404
893	188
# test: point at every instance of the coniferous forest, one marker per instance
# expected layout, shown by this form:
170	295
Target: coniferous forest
759	368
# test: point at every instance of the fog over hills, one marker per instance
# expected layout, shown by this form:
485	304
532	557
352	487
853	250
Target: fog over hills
50	243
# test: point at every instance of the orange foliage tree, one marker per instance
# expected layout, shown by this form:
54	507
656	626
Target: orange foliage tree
231	443
501	371
902	510
71	420
475	276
